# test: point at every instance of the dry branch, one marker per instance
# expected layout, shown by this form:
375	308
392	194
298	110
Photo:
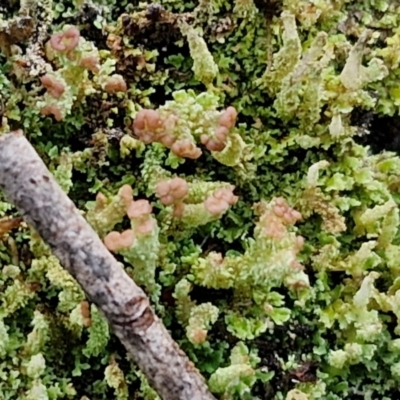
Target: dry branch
29	185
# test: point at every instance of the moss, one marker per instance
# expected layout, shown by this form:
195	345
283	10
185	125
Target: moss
315	87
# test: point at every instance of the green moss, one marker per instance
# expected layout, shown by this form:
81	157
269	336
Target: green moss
307	78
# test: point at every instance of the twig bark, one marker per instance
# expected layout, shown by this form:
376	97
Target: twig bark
27	183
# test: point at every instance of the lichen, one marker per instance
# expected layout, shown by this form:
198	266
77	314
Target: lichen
222	151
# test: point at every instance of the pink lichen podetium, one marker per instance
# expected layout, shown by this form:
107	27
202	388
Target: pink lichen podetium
52	109
150	127
139	212
101	202
90	62
54	88
172	192
220	200
277	217
228	118
68	43
218	141
65	42
155	126
115	241
226	122
274	221
288	215
107	212
68	50
115	84
139	209
185	148
199	336
126	195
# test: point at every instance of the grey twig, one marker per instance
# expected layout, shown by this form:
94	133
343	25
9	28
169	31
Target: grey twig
28	184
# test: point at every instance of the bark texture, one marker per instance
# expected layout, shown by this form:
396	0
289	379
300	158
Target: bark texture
27	183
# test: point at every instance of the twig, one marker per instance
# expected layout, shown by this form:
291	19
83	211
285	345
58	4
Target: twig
29	185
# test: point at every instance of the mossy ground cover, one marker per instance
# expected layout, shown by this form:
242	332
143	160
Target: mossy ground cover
259	141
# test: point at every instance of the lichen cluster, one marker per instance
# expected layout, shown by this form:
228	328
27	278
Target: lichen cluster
229	153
